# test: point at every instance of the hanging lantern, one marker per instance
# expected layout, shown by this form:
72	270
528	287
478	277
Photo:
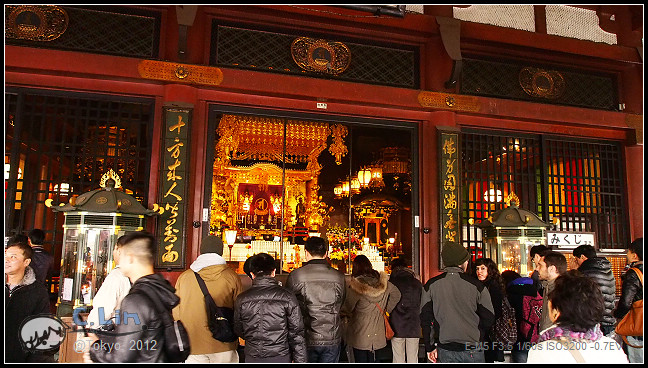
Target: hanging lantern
345	188
364	176
355	186
338	190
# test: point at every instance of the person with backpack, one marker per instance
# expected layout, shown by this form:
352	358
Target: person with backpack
224	286
522	293
268	317
141	334
631	292
487	272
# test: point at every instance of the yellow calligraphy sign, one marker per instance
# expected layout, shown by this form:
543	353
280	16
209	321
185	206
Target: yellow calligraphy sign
450	183
449	147
449	201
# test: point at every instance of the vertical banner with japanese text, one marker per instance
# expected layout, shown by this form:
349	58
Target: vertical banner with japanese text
173	185
449	187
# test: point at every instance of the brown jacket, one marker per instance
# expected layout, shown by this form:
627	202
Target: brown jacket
224	285
366	326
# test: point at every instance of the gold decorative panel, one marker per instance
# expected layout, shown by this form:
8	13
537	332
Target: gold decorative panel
257	138
176	72
320	56
542	83
448	101
35	22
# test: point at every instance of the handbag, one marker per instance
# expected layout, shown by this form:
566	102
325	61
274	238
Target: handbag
632	322
505	329
219	319
389	333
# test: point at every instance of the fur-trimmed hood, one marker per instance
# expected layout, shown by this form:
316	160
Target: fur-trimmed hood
29	277
368	285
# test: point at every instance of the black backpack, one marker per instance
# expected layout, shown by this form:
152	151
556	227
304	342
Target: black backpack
219	318
176	339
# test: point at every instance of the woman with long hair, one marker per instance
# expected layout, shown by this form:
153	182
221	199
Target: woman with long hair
487	272
369	293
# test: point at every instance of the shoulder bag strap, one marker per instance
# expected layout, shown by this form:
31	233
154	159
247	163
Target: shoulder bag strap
377	305
639	274
206	293
201	282
575	353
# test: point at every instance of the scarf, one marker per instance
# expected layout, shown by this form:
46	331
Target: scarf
557	332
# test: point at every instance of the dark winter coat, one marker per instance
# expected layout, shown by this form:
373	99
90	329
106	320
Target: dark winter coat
366	330
600	270
267	316
41	263
456	309
631	291
149	330
405	319
319	288
28	298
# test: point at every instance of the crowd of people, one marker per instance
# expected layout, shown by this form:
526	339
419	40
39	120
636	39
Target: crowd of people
321	315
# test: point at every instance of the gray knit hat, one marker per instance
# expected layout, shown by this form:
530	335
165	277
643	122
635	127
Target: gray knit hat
212	244
454	254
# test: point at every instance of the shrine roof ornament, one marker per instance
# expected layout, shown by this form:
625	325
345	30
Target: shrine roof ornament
512	216
106	199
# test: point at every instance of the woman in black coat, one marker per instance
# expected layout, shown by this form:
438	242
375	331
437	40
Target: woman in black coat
405	319
487	272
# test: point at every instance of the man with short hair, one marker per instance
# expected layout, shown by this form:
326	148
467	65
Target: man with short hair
42	260
320	290
600	270
456	311
224	286
535	253
267	316
550	266
140	319
24	297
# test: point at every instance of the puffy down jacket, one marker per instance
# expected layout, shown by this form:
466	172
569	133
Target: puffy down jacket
268	318
600	270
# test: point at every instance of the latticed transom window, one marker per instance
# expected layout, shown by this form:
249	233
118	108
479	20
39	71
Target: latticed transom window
580	183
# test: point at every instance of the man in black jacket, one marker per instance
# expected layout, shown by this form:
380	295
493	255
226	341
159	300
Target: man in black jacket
600	270
138	336
24	297
42	260
319	288
267	316
632	291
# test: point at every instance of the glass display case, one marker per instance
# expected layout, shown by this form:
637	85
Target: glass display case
508	236
93	223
